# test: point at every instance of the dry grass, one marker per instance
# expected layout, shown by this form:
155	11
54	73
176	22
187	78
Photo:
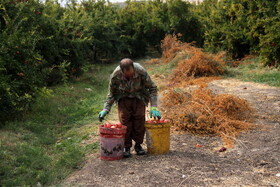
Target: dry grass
193	62
171	46
153	61
198	65
202	82
200	111
205	113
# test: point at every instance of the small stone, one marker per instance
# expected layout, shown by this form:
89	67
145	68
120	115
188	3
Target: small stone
183	176
131	172
278	175
244	88
88	89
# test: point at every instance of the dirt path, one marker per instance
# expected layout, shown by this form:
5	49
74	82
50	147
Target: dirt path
254	161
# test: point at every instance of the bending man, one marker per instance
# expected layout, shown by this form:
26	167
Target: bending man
132	88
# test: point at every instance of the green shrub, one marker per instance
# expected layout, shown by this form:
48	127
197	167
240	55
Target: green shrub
242	27
40	45
270	40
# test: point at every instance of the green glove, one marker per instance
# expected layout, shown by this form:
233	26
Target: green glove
155	113
102	114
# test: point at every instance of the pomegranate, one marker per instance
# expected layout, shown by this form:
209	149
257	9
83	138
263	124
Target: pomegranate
161	121
107	125
223	149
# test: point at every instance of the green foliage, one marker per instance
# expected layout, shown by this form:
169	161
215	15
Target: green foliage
270	39
106	43
183	20
43	44
144	24
242	27
29	57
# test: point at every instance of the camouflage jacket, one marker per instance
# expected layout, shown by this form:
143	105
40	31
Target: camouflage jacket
140	86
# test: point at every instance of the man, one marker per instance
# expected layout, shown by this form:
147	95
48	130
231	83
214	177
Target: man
132	88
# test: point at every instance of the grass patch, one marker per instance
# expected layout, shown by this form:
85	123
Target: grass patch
252	70
53	138
164	69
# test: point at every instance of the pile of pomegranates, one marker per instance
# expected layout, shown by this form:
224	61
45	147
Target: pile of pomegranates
119	125
108	125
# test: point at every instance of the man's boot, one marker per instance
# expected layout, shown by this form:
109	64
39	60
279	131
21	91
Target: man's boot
126	153
139	150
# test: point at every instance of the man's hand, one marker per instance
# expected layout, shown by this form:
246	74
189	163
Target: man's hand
155	113
102	114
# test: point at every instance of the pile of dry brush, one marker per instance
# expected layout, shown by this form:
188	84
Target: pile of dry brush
205	113
200	111
191	61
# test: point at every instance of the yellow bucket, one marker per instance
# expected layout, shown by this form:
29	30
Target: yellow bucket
158	138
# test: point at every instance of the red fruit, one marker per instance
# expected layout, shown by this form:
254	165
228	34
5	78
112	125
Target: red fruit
119	125
161	121
223	149
18	52
273	44
198	145
149	121
39	13
107	125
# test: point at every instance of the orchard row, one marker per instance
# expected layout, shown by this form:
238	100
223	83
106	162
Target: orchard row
43	44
